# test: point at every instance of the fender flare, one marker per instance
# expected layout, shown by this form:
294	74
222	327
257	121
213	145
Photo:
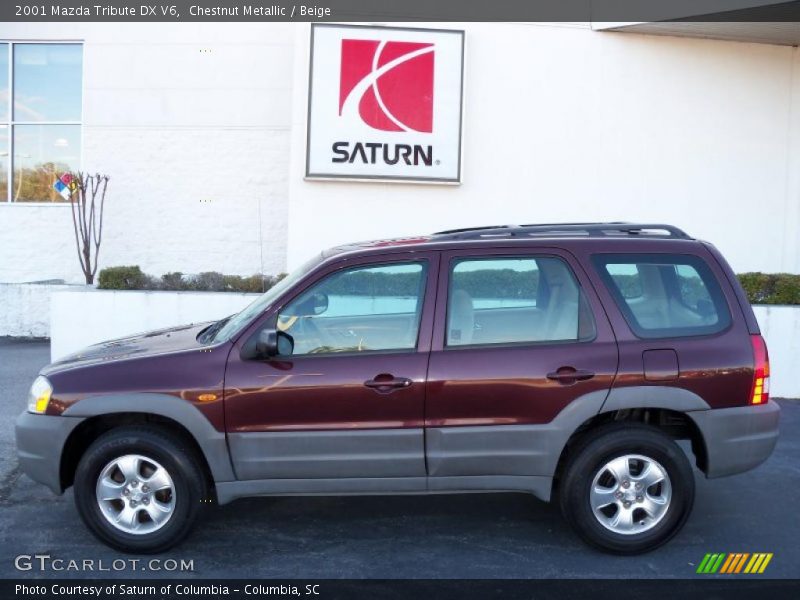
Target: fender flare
588	406
653	396
585	408
212	443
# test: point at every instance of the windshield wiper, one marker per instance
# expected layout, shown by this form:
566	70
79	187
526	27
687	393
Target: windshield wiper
207	335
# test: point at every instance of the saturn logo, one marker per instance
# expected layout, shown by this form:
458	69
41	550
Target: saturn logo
387	84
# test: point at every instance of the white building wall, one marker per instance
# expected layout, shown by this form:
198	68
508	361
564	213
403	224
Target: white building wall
563	123
195	124
191	121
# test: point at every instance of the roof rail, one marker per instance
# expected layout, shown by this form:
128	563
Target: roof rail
617	228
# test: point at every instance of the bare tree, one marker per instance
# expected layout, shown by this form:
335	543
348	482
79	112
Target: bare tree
87	203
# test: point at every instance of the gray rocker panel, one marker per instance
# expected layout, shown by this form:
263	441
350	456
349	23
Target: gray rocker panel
375	486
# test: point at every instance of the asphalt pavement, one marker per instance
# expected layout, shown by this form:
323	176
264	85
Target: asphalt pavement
438	536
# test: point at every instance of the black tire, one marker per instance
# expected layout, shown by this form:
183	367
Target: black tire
171	451
594	451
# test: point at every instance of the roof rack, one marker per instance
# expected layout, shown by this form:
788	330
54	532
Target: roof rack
613	229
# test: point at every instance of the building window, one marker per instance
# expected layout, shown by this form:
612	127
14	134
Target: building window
40	118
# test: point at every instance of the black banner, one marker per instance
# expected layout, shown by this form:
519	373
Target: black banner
440	589
399	10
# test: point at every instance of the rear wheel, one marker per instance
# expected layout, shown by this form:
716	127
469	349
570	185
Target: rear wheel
627	489
139	488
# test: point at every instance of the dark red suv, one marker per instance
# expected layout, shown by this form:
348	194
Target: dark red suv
558	360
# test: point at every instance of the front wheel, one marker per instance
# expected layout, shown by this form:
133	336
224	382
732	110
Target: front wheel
627	489
139	489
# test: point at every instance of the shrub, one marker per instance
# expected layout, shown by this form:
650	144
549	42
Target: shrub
173	281
771	288
208	281
124	278
756	286
132	278
787	289
232	282
255	283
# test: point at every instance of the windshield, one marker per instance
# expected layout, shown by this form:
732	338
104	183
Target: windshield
235	323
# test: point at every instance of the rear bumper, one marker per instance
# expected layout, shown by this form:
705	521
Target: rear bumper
40	443
737	439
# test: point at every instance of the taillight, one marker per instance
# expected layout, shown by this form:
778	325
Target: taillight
760	393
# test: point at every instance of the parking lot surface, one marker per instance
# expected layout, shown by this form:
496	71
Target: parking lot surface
443	536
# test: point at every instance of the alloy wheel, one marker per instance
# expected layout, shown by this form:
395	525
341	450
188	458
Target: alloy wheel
630	494
135	494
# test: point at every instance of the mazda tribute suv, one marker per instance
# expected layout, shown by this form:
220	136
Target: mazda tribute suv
564	361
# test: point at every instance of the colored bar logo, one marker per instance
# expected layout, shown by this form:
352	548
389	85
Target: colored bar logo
734	562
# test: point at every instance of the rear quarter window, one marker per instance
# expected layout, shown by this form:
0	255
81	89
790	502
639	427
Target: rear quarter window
665	295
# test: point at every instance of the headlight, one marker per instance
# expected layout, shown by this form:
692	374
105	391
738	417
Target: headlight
39	396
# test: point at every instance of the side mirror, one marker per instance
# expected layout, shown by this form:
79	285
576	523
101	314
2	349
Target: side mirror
271	342
267	343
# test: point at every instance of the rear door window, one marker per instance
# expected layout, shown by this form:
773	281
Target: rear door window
515	300
665	295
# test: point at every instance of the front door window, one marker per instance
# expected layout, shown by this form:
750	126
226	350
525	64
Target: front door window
362	309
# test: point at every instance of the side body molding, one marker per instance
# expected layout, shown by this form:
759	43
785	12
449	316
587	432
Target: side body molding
211	442
355	453
525	453
507	450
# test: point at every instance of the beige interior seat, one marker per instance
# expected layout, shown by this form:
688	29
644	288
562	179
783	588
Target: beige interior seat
461	319
561	315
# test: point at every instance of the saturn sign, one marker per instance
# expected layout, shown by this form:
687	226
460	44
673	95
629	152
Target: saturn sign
385	103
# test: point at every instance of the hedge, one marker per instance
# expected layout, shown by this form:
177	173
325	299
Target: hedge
771	288
761	288
132	278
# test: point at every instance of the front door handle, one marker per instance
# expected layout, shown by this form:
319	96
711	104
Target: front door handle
570	375
386	383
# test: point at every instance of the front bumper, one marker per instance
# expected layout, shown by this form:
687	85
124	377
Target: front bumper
737	439
40	444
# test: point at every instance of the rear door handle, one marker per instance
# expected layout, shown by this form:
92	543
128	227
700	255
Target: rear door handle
386	383
569	375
